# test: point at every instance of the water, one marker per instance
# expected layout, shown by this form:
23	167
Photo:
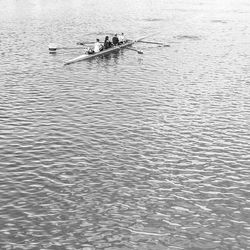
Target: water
128	151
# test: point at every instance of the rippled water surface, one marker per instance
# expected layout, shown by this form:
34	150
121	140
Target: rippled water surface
127	151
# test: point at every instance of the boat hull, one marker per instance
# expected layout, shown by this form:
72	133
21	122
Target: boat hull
104	52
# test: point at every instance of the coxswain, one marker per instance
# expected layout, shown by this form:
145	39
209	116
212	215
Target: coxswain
90	51
115	40
107	44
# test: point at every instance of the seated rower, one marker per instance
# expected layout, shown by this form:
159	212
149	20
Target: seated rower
122	38
98	46
107	43
115	40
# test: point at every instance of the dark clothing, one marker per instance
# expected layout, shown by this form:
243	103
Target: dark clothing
115	40
91	51
107	44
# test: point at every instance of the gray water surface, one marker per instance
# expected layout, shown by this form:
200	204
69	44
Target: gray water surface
127	151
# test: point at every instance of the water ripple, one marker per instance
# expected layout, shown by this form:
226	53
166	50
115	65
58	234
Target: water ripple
126	151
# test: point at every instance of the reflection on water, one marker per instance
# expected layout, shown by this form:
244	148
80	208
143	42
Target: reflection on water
125	151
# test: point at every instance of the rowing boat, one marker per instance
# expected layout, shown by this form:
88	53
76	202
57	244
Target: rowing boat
104	52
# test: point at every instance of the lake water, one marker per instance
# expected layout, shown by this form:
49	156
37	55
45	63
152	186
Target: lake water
127	151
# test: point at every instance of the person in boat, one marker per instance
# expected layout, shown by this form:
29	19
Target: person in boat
107	44
90	51
115	40
122	38
98	46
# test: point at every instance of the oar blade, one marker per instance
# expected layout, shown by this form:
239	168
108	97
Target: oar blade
157	43
52	47
138	51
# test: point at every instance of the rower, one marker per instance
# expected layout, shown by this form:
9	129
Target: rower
98	46
115	40
107	44
122	38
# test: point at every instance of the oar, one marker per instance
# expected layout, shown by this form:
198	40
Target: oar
141	38
86	43
163	44
138	51
53	47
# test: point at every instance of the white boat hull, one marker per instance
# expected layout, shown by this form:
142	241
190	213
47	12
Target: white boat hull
106	51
